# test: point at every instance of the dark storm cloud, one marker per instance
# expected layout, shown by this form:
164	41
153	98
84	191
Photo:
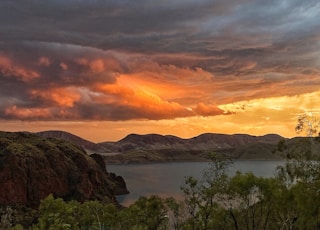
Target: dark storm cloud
63	58
61	63
159	26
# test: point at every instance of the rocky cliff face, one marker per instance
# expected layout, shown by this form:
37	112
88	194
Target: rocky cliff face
32	167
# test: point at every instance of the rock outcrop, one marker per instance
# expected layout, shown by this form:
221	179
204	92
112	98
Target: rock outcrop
32	167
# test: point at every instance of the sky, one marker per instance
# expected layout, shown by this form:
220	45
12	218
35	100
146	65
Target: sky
103	69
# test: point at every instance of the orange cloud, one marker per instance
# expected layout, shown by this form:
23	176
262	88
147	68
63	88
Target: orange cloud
149	96
28	113
65	97
97	66
144	102
274	114
169	85
208	110
9	69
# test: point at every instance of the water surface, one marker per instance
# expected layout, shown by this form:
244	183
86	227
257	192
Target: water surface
165	179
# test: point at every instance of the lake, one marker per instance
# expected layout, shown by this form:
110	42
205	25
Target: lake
165	179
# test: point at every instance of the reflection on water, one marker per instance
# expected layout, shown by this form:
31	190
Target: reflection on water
166	179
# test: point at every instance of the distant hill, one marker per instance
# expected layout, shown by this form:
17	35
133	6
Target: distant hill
158	148
202	142
136	148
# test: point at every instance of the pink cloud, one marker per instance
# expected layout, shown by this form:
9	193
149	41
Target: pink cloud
44	61
63	66
28	113
9	69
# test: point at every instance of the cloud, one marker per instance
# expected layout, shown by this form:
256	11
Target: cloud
74	82
165	26
98	86
208	110
120	60
63	66
136	103
10	70
44	61
28	113
63	97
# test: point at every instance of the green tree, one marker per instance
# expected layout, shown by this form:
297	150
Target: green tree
204	198
146	213
255	200
176	213
57	214
301	177
97	215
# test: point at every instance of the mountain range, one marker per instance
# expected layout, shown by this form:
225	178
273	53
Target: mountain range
136	148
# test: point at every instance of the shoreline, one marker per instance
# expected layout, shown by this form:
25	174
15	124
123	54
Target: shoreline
190	161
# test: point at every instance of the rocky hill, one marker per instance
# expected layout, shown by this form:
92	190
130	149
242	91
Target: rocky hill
32	167
136	148
202	142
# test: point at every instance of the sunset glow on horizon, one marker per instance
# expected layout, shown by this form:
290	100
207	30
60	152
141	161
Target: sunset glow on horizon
105	69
